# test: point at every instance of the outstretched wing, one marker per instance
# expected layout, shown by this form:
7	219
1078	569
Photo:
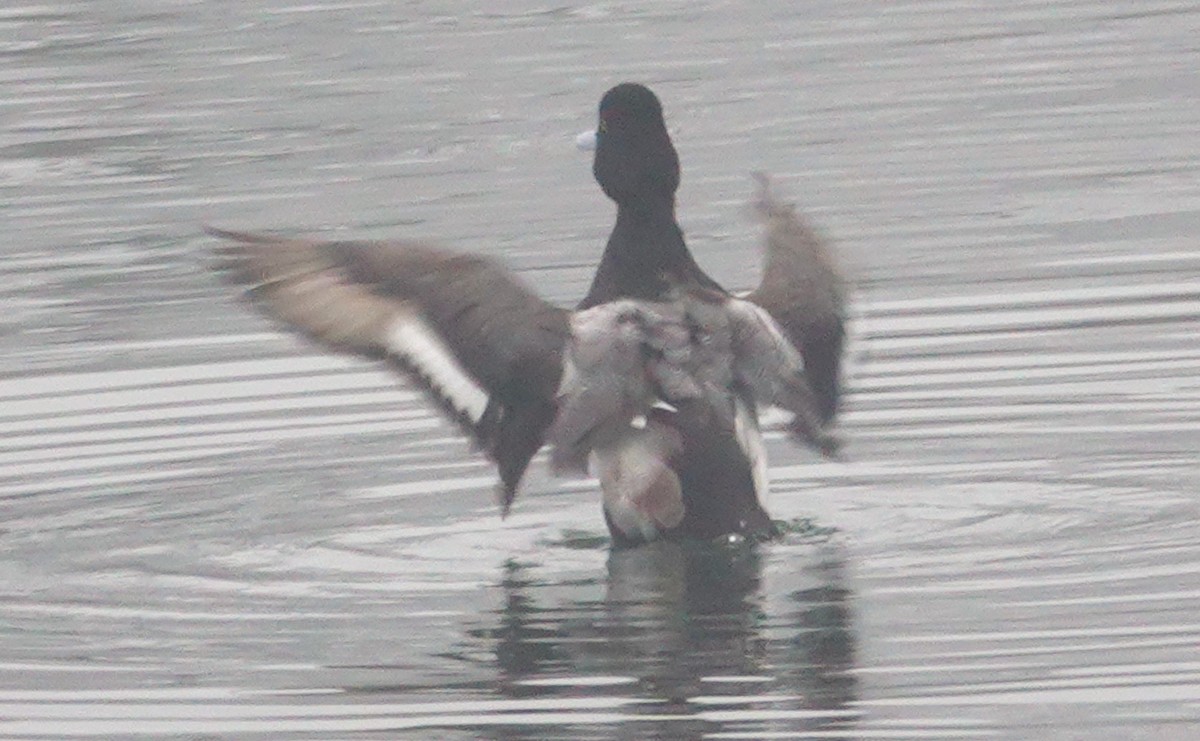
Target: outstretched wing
484	347
804	293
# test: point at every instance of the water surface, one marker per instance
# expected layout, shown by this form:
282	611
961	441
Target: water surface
213	530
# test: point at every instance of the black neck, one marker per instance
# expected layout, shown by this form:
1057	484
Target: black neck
645	256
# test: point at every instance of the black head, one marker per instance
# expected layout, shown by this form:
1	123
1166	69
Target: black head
635	162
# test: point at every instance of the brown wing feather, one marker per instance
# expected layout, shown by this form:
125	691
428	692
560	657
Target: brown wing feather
352	295
803	291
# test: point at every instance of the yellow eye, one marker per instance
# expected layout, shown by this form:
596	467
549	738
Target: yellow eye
603	127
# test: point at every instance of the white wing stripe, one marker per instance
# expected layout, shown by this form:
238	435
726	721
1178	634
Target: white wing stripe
411	338
749	438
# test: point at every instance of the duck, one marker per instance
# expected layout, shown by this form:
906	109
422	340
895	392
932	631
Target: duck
650	384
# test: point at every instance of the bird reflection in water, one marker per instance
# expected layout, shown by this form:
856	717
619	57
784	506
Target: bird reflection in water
687	627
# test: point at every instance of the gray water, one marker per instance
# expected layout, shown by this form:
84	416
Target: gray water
212	530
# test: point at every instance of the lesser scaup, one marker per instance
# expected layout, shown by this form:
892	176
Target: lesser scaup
652	380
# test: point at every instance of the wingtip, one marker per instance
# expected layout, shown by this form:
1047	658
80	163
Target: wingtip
762	182
504	499
235	236
765	202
